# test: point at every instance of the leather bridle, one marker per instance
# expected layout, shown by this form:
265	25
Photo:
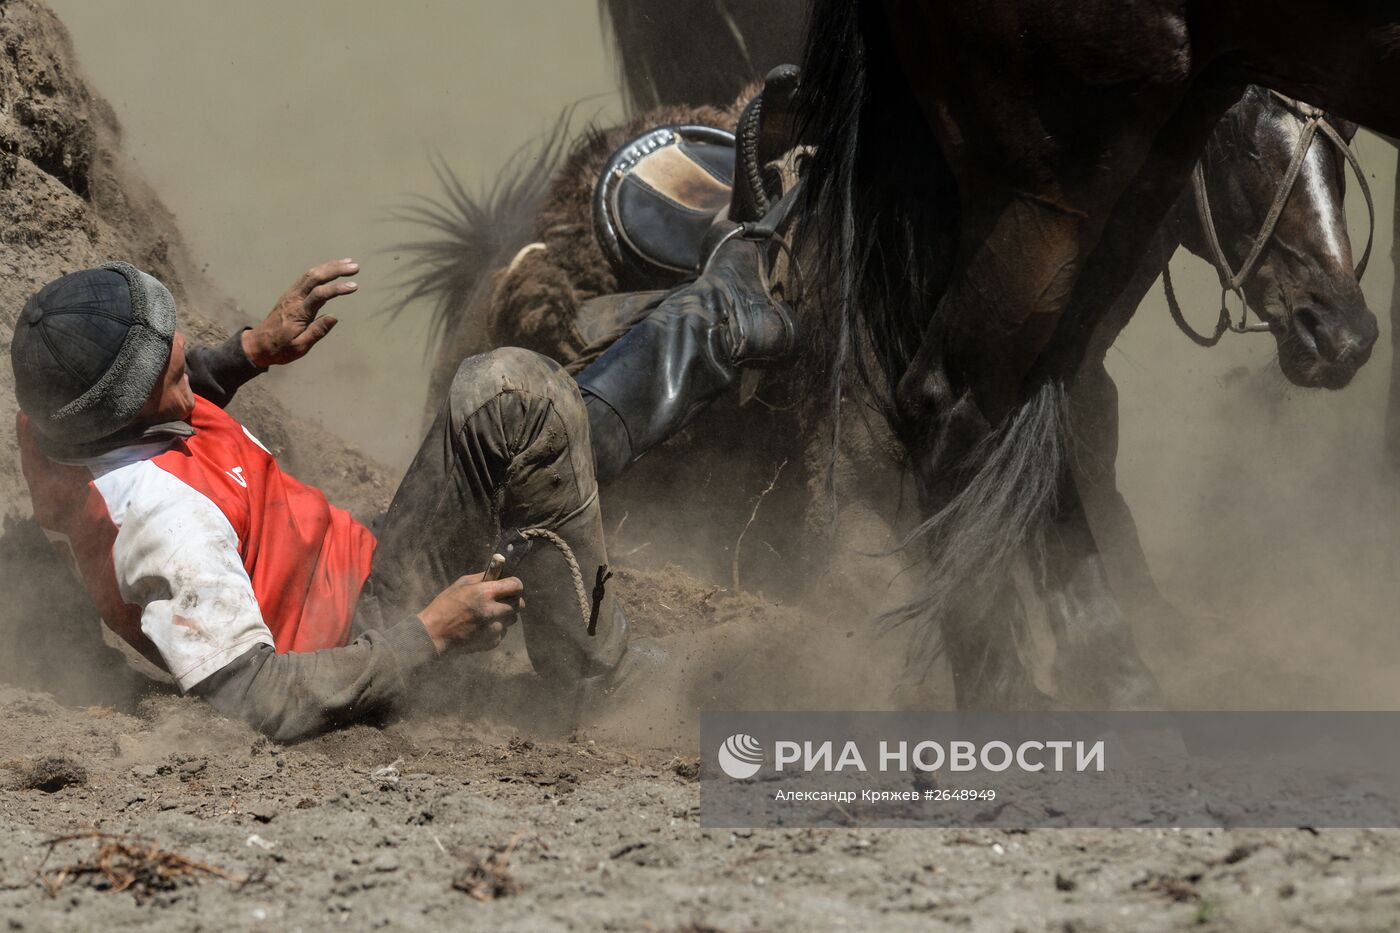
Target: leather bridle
1234	281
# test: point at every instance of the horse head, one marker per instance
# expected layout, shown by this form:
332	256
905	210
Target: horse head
1299	274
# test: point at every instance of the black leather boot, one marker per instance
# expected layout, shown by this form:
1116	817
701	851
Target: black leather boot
689	350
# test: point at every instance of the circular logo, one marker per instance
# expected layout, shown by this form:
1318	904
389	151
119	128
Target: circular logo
740	756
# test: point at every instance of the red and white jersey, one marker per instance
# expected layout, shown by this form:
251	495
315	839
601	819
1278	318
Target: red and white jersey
196	549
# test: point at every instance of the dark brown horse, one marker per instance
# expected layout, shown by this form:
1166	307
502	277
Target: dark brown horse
1290	285
974	262
1303	288
1302	265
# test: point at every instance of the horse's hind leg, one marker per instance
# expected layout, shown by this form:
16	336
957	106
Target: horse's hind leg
1094	401
1097	663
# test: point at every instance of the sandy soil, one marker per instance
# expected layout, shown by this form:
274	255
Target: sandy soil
446	822
481	808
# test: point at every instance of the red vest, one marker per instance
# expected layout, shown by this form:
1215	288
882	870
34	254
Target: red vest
151	530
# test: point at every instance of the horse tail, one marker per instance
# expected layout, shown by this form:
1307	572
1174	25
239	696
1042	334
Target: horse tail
471	235
877	291
657	61
1008	491
631	34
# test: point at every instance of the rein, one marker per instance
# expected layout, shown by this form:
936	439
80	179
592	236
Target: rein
1315	120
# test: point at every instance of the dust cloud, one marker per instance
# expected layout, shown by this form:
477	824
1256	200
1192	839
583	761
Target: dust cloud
1265	510
283	134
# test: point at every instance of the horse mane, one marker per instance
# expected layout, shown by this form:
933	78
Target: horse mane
1234	136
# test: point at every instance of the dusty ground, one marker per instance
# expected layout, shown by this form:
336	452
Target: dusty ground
398	828
484	808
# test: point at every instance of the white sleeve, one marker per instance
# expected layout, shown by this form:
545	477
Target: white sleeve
176	556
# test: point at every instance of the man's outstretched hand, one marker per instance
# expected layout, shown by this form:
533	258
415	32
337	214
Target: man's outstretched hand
294	326
473	613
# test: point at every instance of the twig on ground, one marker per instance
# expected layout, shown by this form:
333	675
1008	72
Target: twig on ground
734	565
510	846
486	879
126	863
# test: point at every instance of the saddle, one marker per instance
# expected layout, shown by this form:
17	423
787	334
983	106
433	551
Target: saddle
662	196
657	199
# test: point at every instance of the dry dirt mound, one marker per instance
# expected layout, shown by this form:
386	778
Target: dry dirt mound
70	199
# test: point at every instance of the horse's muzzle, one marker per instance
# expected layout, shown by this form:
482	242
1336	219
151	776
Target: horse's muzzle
1325	350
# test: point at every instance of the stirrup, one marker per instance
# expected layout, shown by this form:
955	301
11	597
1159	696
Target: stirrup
760	233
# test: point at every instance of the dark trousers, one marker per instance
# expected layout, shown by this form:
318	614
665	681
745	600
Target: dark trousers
509	450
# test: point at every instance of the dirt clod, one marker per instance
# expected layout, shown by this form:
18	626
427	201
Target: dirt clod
1180	890
1238	854
52	773
686	767
264	811
486	879
190	768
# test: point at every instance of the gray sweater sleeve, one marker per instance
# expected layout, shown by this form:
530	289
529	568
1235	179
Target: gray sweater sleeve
289	697
217	372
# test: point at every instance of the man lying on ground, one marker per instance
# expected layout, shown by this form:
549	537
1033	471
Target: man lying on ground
249	588
245	584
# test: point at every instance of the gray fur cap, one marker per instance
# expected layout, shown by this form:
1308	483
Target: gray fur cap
87	352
